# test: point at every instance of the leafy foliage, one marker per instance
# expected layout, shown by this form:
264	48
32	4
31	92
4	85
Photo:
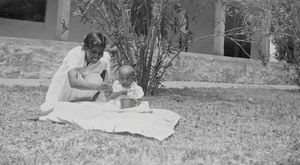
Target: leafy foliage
145	32
277	19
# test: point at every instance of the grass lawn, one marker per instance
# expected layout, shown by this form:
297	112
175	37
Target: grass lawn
219	126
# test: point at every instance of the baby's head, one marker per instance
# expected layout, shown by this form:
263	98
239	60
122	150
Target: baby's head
126	75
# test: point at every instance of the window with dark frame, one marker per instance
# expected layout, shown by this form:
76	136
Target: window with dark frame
29	10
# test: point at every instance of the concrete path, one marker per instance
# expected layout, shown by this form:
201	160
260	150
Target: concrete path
167	84
185	84
24	82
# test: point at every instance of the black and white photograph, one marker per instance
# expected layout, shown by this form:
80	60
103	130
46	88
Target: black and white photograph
150	82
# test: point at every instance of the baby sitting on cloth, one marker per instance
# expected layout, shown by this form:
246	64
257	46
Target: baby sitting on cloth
126	92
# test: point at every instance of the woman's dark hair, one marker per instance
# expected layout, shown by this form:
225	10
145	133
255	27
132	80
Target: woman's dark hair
93	39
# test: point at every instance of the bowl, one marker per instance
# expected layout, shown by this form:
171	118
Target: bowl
128	103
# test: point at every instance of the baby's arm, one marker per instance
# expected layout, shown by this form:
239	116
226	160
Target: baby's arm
116	94
117	91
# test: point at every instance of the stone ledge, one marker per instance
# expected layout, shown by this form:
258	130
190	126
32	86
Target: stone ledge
22	58
220	69
30	58
193	84
25	82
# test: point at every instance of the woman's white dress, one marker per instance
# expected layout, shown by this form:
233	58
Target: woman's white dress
60	89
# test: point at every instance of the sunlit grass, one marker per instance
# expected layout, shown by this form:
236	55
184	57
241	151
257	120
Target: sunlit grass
219	126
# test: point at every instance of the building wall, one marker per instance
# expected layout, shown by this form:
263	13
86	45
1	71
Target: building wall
28	29
202	26
77	29
47	29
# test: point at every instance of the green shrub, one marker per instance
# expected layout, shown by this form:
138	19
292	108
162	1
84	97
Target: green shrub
145	32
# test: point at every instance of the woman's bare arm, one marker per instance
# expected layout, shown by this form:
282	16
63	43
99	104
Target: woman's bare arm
77	83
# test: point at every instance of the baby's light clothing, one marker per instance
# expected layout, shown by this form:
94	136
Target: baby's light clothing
134	92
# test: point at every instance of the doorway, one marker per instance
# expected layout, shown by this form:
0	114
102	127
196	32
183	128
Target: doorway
235	43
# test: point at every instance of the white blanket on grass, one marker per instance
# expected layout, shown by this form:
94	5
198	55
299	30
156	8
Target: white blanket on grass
154	123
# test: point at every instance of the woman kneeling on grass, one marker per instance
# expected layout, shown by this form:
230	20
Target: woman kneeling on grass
82	74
